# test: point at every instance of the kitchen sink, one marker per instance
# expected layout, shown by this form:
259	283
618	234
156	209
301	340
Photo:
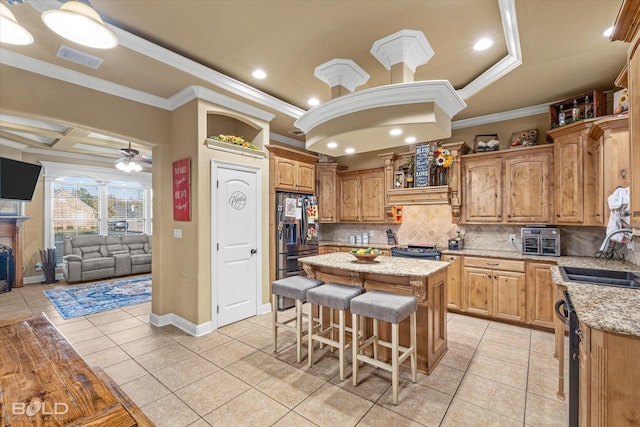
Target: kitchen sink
624	279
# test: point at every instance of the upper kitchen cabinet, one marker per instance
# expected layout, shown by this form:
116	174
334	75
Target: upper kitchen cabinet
361	195
292	170
610	152
509	187
570	143
327	191
627	29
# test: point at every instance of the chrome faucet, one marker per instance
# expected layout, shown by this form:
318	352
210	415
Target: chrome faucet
604	247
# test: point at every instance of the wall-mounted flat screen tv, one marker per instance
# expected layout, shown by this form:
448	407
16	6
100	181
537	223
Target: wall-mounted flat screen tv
18	179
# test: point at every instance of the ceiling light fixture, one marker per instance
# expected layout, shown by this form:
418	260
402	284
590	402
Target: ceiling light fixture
80	23
395	132
483	44
349	150
410	139
313	102
332	145
607	33
129	163
259	74
10	31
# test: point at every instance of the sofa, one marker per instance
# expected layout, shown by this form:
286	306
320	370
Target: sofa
98	257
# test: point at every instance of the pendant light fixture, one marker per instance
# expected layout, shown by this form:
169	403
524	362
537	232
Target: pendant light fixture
79	22
10	31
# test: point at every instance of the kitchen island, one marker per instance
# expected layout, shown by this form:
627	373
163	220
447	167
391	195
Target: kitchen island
426	280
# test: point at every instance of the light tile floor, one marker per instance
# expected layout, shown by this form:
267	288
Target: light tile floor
494	374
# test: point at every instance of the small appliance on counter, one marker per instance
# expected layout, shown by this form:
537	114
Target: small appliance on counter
540	240
456	244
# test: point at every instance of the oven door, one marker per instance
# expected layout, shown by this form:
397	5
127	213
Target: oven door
550	245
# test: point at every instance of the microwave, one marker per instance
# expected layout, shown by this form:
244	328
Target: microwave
540	241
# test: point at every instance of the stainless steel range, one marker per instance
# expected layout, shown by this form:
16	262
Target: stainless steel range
421	252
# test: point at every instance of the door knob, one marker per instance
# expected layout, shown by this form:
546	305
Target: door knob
254	251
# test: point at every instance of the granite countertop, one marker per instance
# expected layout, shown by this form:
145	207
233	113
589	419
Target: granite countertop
608	308
392	266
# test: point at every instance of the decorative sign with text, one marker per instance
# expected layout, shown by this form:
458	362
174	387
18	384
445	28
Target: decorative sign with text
181	190
422	165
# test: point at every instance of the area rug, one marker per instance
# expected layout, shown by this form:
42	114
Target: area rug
74	301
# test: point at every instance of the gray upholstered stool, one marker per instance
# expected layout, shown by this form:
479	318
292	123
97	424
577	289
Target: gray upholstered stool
336	297
391	308
294	287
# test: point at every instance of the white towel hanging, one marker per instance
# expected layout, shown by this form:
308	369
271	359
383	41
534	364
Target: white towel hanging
619	218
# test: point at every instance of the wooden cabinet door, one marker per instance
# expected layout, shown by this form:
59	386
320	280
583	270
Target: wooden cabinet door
285	174
527	189
326	181
568	160
454	290
483	195
508	295
634	119
305	177
599	214
372	196
541	295
348	196
478	290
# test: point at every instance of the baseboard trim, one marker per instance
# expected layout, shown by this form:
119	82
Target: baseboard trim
266	308
39	279
180	323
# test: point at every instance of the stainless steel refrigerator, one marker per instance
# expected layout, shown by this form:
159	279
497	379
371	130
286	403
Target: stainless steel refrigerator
297	235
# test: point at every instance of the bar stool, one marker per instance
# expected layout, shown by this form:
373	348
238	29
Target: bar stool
335	296
294	287
391	308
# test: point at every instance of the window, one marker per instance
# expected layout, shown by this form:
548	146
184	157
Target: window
81	200
125	208
76	207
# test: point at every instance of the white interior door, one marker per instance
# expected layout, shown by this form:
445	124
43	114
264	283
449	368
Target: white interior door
236	243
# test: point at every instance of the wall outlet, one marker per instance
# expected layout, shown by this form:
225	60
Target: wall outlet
630	245
370	233
38	266
512	238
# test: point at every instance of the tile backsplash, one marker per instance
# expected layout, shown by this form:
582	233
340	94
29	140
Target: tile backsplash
431	224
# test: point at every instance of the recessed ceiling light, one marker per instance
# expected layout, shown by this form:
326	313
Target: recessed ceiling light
332	145
395	132
410	139
483	44
259	74
607	33
349	150
313	102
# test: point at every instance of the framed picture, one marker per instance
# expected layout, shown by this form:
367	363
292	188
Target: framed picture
523	138
398	180
182	190
486	142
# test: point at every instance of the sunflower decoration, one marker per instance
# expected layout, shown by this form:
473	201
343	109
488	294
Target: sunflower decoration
234	140
442	157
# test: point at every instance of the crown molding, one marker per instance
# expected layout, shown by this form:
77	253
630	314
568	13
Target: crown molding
410	47
341	72
286	140
499	117
438	91
506	64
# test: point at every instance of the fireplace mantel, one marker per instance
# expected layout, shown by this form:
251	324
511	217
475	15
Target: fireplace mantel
11	226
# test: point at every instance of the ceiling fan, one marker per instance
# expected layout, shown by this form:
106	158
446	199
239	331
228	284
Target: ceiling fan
131	160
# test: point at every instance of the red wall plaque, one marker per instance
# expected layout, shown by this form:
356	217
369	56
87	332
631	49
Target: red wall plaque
182	190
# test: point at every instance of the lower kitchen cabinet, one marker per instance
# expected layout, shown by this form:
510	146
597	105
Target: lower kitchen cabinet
454	288
609	378
494	288
541	295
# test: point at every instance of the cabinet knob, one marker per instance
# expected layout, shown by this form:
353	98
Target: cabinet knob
558	215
